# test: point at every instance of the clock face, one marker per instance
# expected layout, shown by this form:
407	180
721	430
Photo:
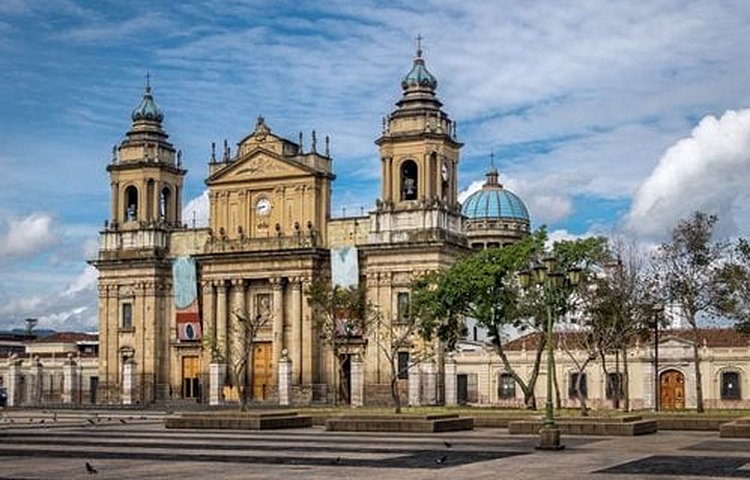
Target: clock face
263	206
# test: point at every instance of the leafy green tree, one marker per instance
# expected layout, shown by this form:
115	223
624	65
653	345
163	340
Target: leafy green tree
687	270
483	286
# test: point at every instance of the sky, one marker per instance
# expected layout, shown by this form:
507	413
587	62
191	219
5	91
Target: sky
605	117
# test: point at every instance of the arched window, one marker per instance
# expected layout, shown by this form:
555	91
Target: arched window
131	203
409	180
164	203
730	386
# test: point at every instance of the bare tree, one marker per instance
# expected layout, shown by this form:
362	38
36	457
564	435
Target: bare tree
686	268
342	317
245	330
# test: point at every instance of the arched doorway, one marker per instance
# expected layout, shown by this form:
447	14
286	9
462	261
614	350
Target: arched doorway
671	390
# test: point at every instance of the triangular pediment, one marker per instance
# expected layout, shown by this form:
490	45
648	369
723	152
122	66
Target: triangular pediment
674	342
259	164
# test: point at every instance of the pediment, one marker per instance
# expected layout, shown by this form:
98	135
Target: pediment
259	164
675	343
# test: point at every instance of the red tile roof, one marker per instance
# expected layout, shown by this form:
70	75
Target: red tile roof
68	337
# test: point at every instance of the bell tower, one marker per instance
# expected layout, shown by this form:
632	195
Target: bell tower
419	155
146	172
134	264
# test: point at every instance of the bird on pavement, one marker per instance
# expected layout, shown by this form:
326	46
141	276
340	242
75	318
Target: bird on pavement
442	459
447	444
122	420
90	469
90	421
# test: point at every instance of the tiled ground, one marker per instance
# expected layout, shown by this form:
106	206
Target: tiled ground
123	445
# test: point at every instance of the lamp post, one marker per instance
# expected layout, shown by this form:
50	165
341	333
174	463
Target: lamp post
547	276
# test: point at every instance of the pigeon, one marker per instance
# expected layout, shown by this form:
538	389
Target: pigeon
54	417
338	460
90	469
442	459
122	420
90	421
447	444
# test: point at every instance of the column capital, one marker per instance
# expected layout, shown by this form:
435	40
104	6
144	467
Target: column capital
237	282
221	286
277	283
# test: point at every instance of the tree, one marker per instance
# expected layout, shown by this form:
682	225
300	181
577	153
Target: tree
246	329
483	286
733	290
687	270
413	332
618	306
342	317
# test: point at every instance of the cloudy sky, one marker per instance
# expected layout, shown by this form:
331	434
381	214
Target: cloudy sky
604	116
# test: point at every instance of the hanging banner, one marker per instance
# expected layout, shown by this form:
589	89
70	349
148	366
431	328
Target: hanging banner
185	286
345	267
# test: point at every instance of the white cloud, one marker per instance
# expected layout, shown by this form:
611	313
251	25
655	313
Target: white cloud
475	186
708	171
195	213
73	307
27	236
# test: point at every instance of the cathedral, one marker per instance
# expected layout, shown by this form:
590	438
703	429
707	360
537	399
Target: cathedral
171	297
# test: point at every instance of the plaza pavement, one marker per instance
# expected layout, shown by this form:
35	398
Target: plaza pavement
50	445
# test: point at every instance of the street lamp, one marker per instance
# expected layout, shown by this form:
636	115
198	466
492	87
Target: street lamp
547	276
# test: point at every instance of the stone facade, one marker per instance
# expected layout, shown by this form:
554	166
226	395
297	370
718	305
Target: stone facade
270	234
725	369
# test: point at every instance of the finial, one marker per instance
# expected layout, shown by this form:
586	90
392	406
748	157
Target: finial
226	151
419	45
261	120
314	142
148	81
213	152
383	124
492	158
114	153
328	145
301	148
179	158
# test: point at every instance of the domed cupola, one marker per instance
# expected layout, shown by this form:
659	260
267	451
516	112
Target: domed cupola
419	76
494	215
148	109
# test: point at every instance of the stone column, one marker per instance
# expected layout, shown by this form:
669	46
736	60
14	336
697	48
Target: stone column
70	380
278	318
430	376
451	394
129	382
208	317
414	386
308	338
217	374
221	319
357	381
14	381
285	379
295	343
35	383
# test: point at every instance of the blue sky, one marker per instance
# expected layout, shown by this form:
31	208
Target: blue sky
604	116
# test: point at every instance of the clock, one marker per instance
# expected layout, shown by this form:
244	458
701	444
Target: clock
444	172
263	206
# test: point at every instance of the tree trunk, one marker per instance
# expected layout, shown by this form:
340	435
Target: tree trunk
527	388
625	387
615	403
698	379
581	397
394	394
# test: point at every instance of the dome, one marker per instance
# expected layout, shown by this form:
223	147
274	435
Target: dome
419	76
148	109
493	201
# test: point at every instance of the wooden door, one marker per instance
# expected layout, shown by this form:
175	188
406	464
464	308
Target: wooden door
462	389
263	374
190	377
672	390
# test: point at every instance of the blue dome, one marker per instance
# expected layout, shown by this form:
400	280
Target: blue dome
493	201
419	76
148	109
